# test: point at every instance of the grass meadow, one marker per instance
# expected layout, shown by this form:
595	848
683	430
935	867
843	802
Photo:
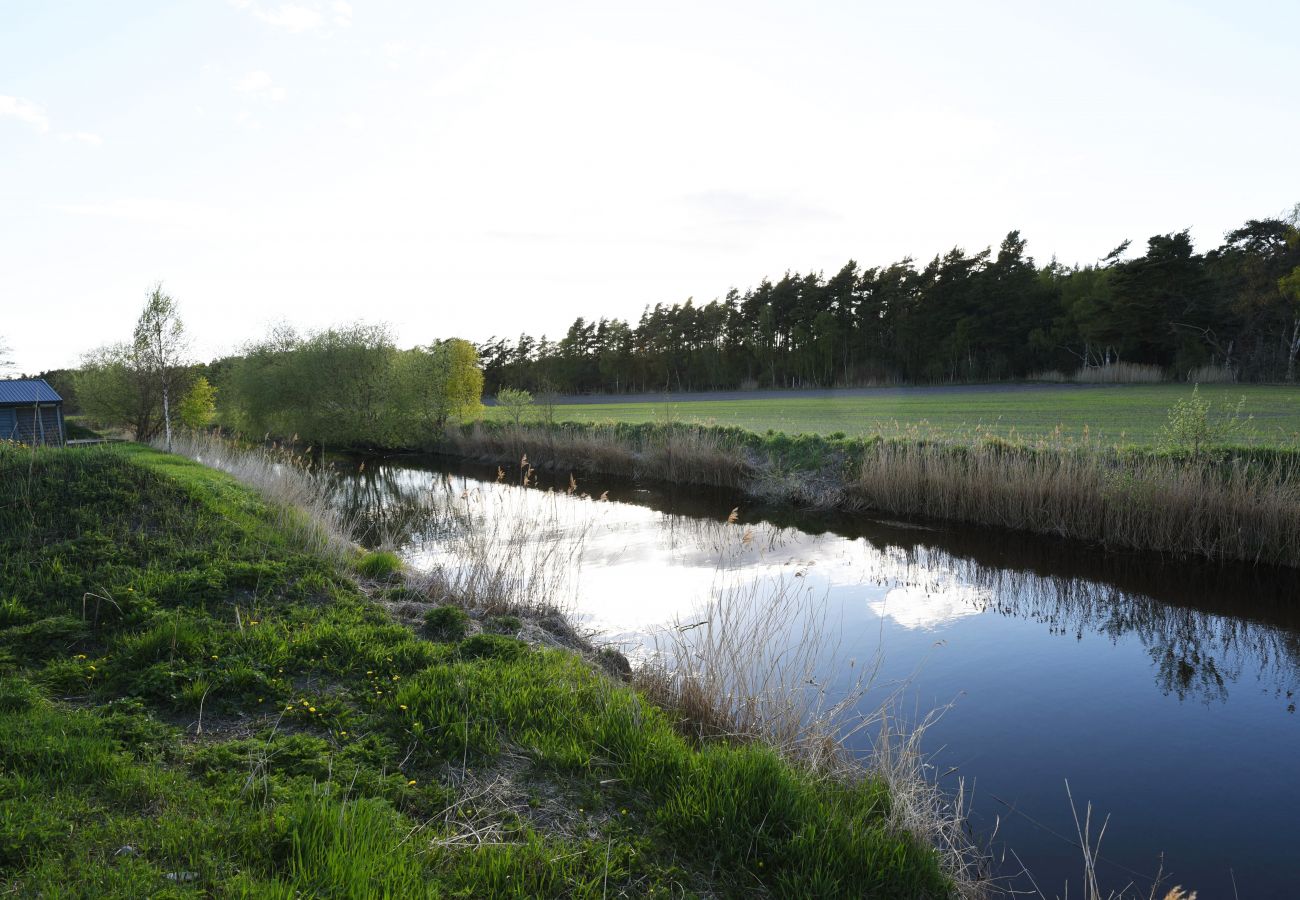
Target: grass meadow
199	698
1127	415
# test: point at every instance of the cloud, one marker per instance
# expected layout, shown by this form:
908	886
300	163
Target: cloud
85	137
291	16
298	17
743	208
260	84
24	111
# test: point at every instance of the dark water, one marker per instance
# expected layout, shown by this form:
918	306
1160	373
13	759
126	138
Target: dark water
1164	692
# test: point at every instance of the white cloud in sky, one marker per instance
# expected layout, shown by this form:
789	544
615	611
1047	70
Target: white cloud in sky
24	111
85	137
260	84
298	17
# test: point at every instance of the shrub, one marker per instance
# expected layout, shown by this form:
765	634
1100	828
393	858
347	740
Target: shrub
492	646
379	564
446	623
504	624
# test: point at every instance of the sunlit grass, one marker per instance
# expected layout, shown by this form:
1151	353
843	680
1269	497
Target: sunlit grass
1125	415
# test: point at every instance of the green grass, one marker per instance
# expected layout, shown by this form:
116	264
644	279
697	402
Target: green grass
1123	414
194	704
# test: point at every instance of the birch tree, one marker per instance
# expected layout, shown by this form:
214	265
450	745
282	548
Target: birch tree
161	344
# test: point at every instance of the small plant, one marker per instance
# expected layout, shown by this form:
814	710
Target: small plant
492	646
12	612
1192	429
446	623
379	564
17	694
503	624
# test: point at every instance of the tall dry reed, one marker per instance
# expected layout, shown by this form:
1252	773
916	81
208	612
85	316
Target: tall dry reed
761	662
1120	373
686	455
1234	511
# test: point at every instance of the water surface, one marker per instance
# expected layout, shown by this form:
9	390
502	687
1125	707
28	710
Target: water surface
1164	692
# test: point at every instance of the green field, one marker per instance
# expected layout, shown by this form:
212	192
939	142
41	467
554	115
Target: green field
1123	414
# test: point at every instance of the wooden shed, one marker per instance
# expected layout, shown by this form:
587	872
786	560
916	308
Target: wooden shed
31	412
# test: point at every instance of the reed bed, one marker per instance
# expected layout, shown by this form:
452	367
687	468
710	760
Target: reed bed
1119	373
1212	374
1238	510
684	454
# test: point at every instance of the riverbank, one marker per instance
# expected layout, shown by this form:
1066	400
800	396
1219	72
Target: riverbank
204	694
1237	504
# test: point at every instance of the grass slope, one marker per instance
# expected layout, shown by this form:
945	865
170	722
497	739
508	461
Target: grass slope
1123	414
193	704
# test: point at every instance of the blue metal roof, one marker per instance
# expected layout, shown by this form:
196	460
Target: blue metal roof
27	390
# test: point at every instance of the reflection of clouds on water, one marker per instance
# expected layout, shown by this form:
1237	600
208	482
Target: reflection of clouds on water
629	568
919	608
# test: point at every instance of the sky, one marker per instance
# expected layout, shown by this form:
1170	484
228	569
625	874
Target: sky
479	169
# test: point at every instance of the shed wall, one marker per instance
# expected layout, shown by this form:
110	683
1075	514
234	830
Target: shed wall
22	424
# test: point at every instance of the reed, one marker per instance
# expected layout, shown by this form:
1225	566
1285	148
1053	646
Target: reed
1240	510
1235	504
1120	373
1212	374
679	453
760	662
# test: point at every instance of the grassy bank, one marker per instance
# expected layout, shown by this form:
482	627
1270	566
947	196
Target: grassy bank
200	696
1130	415
1236	504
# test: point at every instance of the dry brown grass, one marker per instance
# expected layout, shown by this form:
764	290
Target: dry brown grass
683	455
1225	512
1119	373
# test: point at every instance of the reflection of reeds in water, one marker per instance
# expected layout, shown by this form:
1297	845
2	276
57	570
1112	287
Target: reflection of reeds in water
761	662
502	550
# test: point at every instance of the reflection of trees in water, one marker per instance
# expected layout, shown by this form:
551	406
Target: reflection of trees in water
1196	652
1203	627
399	506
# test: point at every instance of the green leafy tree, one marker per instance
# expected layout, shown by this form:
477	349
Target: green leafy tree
114	387
515	402
439	384
160	346
199	406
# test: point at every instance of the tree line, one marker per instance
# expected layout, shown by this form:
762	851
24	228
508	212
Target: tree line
346	386
963	316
